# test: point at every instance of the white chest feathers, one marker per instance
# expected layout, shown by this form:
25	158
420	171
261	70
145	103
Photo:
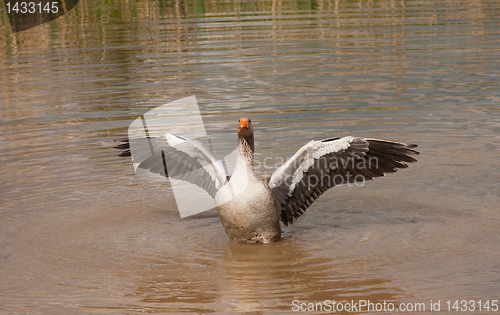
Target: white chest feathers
246	208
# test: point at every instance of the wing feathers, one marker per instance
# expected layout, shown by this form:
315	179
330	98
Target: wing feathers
187	160
124	145
320	165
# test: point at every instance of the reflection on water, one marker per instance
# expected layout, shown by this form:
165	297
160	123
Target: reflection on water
80	233
247	278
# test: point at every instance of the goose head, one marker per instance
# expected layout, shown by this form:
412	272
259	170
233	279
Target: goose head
245	128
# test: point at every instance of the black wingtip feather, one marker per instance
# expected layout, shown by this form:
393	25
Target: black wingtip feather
124	145
125	154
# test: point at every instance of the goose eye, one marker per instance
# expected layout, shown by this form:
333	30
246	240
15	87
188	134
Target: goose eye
239	120
249	120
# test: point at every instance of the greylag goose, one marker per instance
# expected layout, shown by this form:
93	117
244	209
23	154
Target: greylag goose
251	209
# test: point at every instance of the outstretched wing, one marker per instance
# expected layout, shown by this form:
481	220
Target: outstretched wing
178	158
320	165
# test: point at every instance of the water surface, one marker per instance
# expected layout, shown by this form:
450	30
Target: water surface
81	234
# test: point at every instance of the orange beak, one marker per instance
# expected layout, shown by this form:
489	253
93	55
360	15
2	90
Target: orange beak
244	124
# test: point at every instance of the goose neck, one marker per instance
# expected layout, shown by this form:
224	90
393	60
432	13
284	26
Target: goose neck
246	149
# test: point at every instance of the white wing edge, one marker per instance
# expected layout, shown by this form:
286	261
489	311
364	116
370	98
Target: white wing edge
304	158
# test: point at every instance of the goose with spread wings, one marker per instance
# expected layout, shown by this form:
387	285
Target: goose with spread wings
251	209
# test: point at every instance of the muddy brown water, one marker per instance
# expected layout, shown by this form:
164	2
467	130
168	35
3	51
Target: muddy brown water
80	233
